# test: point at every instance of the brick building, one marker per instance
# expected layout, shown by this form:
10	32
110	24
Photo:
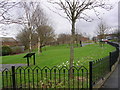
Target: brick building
9	41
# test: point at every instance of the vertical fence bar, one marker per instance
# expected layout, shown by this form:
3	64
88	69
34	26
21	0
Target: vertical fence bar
69	78
55	78
82	79
34	59
20	78
87	78
29	78
110	60
42	78
51	78
59	77
3	80
73	77
7	78
13	78
90	75
78	78
33	77
46	77
64	77
24	79
27	61
37	77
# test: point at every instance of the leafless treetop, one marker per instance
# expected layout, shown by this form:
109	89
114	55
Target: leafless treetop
75	9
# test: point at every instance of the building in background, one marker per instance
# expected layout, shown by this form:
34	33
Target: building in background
9	41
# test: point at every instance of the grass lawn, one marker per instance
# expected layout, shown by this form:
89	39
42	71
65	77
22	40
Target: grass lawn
59	55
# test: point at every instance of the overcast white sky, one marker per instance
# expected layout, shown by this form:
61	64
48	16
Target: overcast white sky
61	25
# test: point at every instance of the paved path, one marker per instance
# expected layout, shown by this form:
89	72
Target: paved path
8	66
84	44
114	80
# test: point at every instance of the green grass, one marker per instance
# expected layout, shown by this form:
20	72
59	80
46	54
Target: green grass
59	55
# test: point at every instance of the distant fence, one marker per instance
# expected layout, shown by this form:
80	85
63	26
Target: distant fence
113	57
45	78
101	67
114	45
36	77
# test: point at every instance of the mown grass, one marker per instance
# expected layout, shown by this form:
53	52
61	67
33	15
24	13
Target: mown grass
59	55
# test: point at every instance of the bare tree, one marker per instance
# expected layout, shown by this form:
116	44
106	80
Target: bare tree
33	18
6	7
23	37
75	9
45	34
40	22
78	36
26	19
63	38
102	29
7	15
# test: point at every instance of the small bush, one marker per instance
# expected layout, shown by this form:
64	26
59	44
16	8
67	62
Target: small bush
6	50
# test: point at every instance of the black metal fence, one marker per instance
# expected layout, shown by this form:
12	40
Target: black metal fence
113	58
101	67
45	78
114	44
114	55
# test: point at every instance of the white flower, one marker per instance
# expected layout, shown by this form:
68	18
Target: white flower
67	62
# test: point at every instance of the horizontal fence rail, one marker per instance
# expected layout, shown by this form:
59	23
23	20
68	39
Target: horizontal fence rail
45	78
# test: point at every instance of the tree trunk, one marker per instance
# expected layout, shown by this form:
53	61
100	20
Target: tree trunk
41	49
72	48
38	44
30	44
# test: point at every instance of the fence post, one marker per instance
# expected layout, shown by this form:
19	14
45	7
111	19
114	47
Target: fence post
34	59
110	60
90	75
13	77
27	61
